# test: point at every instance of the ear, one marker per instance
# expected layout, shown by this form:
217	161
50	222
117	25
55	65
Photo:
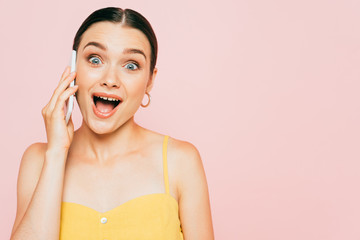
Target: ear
151	81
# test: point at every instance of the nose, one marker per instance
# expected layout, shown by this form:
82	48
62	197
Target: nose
111	78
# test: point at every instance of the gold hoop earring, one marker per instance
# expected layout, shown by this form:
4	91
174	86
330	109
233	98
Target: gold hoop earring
144	106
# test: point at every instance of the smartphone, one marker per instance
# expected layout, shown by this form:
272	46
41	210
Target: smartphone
70	102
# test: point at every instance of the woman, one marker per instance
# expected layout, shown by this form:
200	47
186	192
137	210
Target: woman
111	178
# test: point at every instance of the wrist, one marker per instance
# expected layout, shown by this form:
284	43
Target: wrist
56	153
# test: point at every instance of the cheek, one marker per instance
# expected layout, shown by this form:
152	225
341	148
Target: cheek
86	78
137	86
133	89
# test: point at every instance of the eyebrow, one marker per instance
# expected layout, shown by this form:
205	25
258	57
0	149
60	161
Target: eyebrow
134	50
125	51
96	44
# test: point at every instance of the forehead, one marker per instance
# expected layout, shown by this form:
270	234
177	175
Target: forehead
116	37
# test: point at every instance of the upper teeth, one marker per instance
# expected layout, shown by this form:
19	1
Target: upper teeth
109	99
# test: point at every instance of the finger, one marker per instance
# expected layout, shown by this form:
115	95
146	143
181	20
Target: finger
60	89
65	74
70	127
50	106
59	106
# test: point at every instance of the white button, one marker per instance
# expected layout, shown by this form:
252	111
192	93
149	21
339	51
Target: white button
104	220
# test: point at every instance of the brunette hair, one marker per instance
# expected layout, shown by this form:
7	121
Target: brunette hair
128	18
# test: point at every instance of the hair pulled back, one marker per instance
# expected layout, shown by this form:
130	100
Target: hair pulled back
127	17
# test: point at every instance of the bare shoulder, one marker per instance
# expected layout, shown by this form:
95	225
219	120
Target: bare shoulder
194	203
187	163
178	150
184	151
30	169
29	173
33	157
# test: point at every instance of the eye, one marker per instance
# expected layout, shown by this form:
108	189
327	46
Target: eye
131	66
94	60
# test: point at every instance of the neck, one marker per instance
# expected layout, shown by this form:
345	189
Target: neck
101	148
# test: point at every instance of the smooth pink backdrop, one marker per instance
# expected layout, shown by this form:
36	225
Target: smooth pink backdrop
268	91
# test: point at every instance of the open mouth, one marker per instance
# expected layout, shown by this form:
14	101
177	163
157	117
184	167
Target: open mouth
103	106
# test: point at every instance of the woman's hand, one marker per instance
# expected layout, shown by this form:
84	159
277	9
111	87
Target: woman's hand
59	135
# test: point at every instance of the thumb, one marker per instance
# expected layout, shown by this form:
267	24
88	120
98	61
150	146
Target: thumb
70	126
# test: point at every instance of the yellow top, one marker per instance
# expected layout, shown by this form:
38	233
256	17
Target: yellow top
151	216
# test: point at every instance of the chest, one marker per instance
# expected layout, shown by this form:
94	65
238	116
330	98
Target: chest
107	186
154	216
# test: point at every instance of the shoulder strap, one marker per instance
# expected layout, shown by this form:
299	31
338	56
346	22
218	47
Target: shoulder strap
165	167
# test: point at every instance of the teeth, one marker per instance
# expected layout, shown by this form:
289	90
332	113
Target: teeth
108	99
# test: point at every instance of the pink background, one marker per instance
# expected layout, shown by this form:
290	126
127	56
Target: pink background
268	91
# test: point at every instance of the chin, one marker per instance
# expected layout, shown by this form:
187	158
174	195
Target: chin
101	127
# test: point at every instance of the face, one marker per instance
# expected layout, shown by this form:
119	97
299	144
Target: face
112	61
